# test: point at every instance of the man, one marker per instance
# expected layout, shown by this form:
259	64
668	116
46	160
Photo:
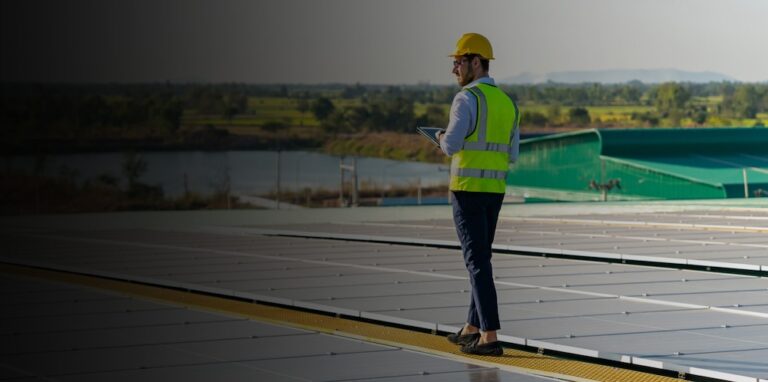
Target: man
482	139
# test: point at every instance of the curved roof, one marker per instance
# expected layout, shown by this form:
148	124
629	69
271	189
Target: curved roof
720	157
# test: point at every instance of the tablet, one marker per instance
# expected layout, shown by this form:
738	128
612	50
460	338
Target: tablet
429	133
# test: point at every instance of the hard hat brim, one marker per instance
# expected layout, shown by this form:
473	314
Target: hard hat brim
459	54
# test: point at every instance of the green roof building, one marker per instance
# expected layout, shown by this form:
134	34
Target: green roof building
643	164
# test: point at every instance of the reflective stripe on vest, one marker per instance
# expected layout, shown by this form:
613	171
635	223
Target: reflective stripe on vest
478	146
479	173
482	164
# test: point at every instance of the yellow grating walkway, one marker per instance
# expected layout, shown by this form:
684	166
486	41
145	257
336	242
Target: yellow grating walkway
513	359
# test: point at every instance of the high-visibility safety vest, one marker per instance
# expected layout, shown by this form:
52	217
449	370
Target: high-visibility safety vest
482	164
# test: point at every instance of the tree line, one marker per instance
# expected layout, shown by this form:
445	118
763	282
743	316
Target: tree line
69	110
558	104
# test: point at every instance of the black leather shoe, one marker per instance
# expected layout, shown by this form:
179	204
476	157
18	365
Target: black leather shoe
491	348
462	339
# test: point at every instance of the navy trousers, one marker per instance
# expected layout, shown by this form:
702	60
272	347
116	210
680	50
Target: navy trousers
475	215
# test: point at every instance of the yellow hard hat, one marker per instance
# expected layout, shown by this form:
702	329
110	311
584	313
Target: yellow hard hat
473	43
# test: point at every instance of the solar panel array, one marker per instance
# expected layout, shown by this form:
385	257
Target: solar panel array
51	331
694	321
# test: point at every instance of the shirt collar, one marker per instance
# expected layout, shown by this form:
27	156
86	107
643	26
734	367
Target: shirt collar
483	80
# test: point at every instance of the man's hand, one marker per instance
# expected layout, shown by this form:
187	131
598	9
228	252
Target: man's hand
439	133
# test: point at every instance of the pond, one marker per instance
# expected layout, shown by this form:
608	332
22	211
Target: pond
249	172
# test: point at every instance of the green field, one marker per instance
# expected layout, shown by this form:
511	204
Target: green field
618	115
421	108
279	110
594	110
260	111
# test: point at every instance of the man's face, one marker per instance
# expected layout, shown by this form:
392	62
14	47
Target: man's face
462	69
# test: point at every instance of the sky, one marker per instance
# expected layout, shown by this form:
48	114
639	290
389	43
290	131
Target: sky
371	41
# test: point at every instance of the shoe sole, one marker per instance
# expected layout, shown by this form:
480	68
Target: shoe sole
475	350
493	353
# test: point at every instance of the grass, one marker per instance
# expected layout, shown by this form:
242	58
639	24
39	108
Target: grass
599	110
387	145
716	121
421	108
269	109
256	103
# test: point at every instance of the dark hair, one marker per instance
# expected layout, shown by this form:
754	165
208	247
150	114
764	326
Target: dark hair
486	64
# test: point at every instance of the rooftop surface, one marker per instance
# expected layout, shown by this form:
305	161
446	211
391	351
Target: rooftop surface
675	286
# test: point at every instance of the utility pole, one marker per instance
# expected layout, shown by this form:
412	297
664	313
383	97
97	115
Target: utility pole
341	183
418	192
355	189
278	178
746	183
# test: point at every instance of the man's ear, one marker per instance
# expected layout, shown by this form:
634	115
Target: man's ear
475	61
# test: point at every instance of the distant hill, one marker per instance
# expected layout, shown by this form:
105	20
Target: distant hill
612	76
